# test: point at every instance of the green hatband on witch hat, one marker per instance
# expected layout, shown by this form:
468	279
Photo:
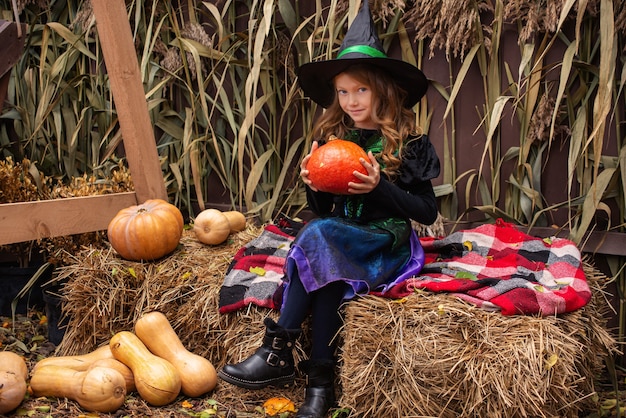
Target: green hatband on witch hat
361	45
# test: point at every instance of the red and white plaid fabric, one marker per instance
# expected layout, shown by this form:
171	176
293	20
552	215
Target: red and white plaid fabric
498	267
255	276
494	266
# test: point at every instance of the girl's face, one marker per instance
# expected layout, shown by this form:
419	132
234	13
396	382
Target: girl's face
355	99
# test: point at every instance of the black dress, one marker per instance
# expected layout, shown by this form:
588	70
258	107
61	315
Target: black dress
366	240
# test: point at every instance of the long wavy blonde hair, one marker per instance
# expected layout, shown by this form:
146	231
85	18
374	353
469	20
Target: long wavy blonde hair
396	122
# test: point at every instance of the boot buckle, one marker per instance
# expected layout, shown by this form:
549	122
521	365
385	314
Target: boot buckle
278	343
272	359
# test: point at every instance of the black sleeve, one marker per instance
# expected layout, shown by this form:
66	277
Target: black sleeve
417	203
419	161
412	194
321	203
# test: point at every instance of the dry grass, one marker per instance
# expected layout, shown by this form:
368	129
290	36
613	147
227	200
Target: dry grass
24	182
435	355
451	26
104	294
426	355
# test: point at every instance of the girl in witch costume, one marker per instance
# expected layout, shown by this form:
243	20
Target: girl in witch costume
361	241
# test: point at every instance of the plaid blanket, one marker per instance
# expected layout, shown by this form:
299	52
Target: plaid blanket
497	267
255	276
494	266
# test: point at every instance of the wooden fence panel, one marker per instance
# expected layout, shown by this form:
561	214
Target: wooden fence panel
27	221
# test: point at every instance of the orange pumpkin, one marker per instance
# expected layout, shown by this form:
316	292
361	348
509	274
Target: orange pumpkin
147	231
332	165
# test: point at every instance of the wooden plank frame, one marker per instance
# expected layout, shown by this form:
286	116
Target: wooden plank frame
27	221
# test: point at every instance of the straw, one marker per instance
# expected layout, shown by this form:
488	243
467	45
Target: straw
425	355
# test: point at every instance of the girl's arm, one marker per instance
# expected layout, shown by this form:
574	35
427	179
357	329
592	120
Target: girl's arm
418	203
411	195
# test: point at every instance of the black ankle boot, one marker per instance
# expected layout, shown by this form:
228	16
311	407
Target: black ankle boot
271	365
320	389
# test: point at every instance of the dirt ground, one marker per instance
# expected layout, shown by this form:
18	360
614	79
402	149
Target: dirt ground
28	336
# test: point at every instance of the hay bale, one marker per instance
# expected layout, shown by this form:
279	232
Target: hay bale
435	355
426	355
103	294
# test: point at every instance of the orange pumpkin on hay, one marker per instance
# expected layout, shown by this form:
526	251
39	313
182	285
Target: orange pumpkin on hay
147	231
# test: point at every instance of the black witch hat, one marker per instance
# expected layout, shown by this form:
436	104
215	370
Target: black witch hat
361	45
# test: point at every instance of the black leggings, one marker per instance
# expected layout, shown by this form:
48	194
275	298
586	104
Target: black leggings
323	305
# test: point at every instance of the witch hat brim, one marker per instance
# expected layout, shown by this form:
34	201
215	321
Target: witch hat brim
316	78
361	45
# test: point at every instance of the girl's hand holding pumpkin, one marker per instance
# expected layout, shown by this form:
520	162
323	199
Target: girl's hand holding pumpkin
369	181
304	173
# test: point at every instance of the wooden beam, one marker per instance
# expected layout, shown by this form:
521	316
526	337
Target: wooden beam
4	85
11	45
11	49
26	221
120	58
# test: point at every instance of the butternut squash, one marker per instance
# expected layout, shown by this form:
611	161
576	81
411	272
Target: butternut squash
79	362
13	375
236	220
211	227
197	374
124	370
98	389
157	380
